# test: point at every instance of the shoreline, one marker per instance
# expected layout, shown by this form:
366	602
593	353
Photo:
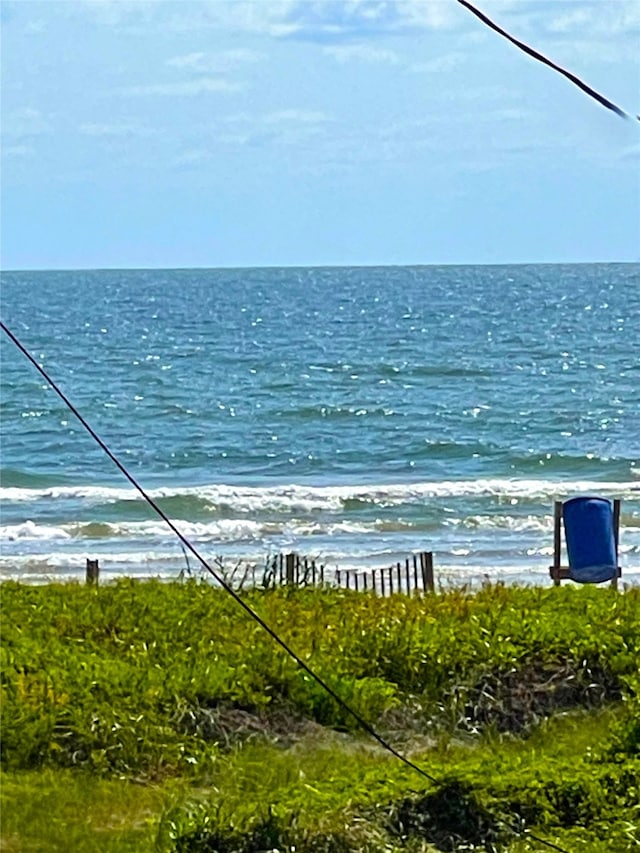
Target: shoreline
445	580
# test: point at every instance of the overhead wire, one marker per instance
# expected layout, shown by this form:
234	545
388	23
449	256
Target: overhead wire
366	726
206	565
540	58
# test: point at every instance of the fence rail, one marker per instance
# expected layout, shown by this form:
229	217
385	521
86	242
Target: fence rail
414	574
293	570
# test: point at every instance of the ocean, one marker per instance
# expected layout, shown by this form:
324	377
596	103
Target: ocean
354	415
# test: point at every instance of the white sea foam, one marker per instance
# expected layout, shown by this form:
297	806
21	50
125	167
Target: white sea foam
241	529
29	530
309	498
223	530
514	523
55	560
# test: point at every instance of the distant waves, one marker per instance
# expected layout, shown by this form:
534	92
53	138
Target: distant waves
356	415
494	526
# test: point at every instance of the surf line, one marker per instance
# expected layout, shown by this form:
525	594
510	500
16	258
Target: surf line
367	727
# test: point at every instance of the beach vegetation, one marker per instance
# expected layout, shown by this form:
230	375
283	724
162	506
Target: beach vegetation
160	716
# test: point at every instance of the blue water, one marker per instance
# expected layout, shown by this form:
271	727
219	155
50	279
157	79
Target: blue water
353	414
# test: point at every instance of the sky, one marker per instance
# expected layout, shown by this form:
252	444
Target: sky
138	133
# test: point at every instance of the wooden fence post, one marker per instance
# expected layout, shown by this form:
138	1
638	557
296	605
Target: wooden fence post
616	536
93	572
426	564
557	541
289	567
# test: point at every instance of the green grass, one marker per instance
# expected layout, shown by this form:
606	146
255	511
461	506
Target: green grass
334	787
64	810
149	716
355	794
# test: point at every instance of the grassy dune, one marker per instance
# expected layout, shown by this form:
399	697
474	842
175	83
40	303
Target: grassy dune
150	716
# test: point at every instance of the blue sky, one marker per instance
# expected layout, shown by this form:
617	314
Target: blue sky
209	134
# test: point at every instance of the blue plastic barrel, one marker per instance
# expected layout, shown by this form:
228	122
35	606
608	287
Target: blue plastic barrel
591	544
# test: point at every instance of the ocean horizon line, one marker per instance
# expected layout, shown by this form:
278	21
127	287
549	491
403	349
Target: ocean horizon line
320	266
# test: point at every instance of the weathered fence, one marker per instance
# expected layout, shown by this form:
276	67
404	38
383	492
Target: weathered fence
293	570
414	574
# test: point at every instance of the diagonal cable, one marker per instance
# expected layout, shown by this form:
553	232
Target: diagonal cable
367	727
536	55
223	583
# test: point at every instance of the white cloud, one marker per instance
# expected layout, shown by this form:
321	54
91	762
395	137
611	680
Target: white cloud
113	130
512	114
583	27
621	17
432	14
569	21
307	19
604	32
114	13
188	60
337	21
35	27
289	116
567	30
192	158
215	62
362	53
178	16
270	130
447	62
25	122
631	153
296	116
17	151
188	88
